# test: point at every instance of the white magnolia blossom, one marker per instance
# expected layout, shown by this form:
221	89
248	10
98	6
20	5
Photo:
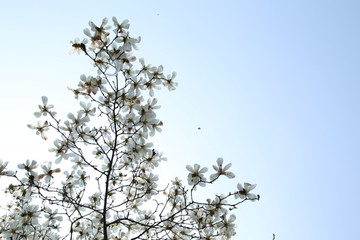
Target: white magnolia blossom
40	128
105	184
120	27
29	167
196	175
61	149
87	109
48	172
52	217
227	226
78	120
244	192
2	169
78	46
221	170
45	108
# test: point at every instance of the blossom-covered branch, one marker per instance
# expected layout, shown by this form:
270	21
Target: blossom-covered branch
102	183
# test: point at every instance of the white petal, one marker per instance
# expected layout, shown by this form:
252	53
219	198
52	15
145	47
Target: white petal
220	161
249	186
232	218
252	196
227	166
189	168
213	176
230	174
44	100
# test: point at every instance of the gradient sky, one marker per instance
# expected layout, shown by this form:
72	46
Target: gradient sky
273	85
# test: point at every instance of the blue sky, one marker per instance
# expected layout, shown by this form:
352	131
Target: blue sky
274	86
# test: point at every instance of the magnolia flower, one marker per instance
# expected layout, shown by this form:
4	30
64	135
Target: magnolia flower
155	127
60	149
29	166
79	119
119	27
86	109
30	214
67	127
100	29
146	69
44	108
78	46
216	207
81	178
48	172
130	43
85	134
100	152
99	33
52	217
244	192
209	234
90	84
151	159
41	128
2	168
142	147
169	82
220	170
153	84
198	217
196	175
95	199
145	113
78	162
10	228
145	216
227	226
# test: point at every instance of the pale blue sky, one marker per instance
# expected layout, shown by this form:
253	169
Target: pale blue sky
274	86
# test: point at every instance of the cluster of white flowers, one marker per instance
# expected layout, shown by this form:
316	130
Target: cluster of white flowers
105	186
